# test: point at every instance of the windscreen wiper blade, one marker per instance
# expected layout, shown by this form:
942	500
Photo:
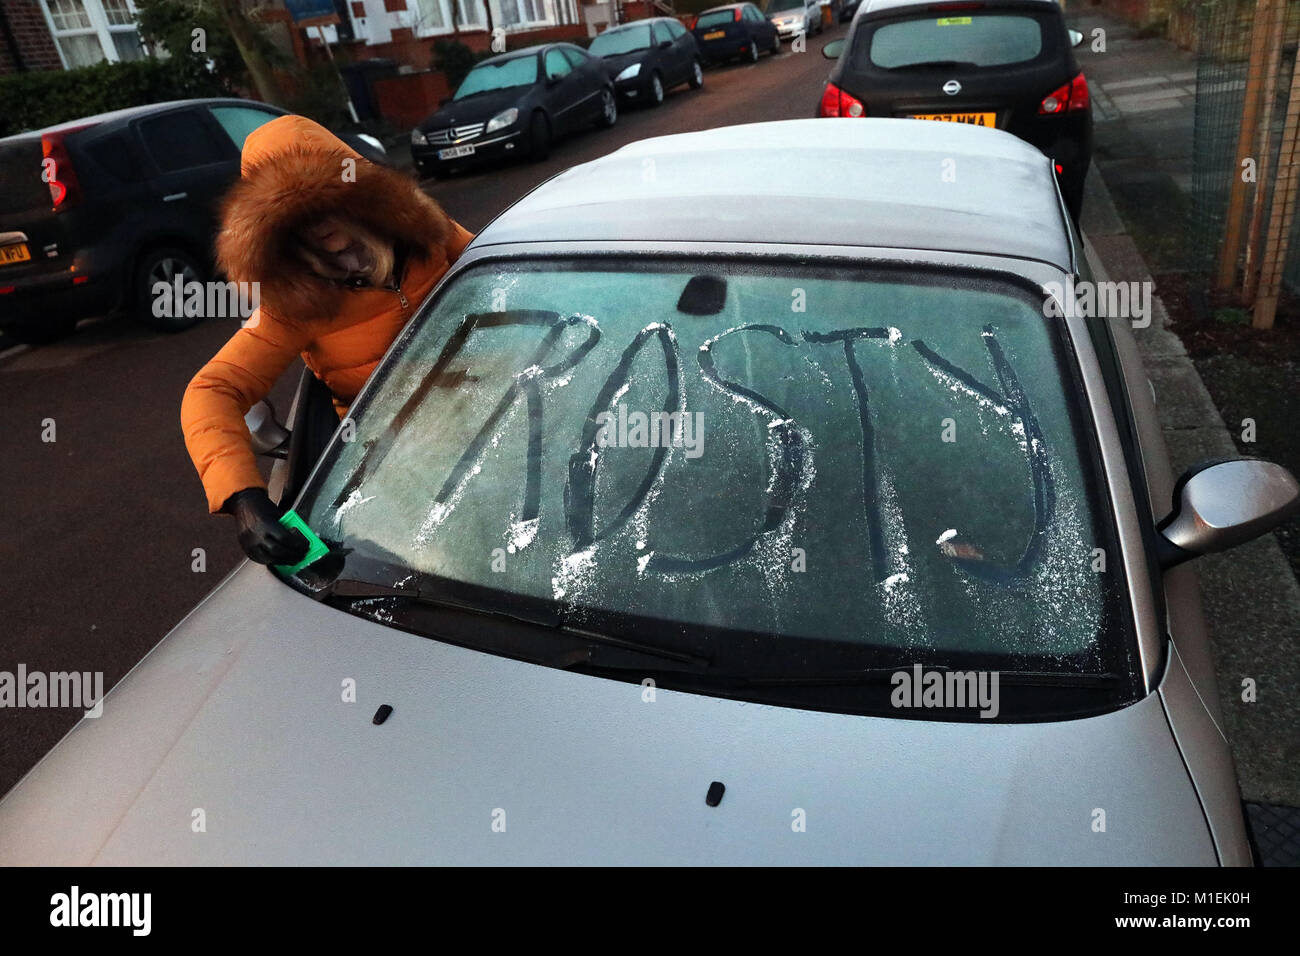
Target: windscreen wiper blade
351	589
884	675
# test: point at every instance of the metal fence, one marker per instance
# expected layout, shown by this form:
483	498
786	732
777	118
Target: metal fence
1246	174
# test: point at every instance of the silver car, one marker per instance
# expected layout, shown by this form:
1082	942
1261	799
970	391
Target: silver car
793	17
704	515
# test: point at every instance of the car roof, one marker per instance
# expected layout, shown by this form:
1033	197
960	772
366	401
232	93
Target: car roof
853	182
132	112
878	6
522	51
619	28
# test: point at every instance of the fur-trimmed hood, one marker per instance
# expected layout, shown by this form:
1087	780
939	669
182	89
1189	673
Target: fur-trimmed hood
294	171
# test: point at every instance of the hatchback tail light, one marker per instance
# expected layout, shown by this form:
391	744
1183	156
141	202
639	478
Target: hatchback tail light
835	102
57	171
738	11
1069	98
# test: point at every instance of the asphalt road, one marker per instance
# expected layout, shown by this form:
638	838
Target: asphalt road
101	525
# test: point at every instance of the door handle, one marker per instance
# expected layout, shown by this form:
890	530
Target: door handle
174	196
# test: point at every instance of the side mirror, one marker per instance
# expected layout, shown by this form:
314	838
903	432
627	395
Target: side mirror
665	44
833	49
1075	38
1221	504
270	438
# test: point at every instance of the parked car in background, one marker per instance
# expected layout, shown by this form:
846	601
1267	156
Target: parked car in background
1007	64
737	30
848	8
130	201
649	57
510	577
793	17
516	104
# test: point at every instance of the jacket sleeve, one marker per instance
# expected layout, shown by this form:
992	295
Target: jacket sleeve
460	238
212	412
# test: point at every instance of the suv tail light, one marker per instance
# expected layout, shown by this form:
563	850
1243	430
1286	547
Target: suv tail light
56	169
1069	98
835	102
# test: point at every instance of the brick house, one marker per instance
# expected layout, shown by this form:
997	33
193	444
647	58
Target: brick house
61	34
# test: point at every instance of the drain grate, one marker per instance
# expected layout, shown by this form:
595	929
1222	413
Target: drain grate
1277	833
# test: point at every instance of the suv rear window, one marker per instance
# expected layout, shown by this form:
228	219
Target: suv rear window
974	40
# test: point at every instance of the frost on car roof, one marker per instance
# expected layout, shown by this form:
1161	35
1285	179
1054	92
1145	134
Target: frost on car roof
861	182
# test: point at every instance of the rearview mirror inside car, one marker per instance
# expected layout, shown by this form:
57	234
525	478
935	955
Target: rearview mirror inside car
270	438
833	49
1075	38
1221	504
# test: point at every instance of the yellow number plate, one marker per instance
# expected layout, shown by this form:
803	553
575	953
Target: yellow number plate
715	34
15	253
973	119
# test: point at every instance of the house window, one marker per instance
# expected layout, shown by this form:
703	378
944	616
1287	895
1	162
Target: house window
90	31
434	16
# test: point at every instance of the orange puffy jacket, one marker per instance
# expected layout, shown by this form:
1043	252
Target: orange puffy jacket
293	171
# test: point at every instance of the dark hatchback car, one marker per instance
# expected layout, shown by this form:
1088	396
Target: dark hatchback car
516	104
1008	64
95	211
649	57
736	30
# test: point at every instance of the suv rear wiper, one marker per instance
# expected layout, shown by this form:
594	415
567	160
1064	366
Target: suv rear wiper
934	65
350	590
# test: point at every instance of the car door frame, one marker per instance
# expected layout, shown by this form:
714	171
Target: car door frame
188	195
564	98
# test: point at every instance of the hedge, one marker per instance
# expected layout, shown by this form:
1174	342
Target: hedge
35	100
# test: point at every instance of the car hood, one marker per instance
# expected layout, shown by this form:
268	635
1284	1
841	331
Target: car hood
791	13
475	109
233	743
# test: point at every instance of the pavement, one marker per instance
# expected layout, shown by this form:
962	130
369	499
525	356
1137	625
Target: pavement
1143	93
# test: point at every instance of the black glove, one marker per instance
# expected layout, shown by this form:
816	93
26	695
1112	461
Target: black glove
261	535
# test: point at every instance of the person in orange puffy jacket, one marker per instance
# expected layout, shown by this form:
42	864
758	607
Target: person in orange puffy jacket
343	251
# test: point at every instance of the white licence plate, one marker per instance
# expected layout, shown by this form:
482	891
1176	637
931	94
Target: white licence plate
456	152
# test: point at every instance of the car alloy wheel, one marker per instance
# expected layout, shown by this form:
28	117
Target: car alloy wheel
753	52
609	108
697	75
656	90
165	264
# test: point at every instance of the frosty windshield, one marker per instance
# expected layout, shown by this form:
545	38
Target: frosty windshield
884	460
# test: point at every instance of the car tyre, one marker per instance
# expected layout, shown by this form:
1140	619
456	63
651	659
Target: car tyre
608	108
539	137
656	96
697	75
163	264
776	44
752	53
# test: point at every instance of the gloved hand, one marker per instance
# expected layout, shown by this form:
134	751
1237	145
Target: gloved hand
261	535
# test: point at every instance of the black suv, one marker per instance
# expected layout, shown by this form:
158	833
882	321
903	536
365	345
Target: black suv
95	211
1003	63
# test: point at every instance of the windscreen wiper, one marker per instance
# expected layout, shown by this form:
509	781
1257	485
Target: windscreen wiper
883	675
350	590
